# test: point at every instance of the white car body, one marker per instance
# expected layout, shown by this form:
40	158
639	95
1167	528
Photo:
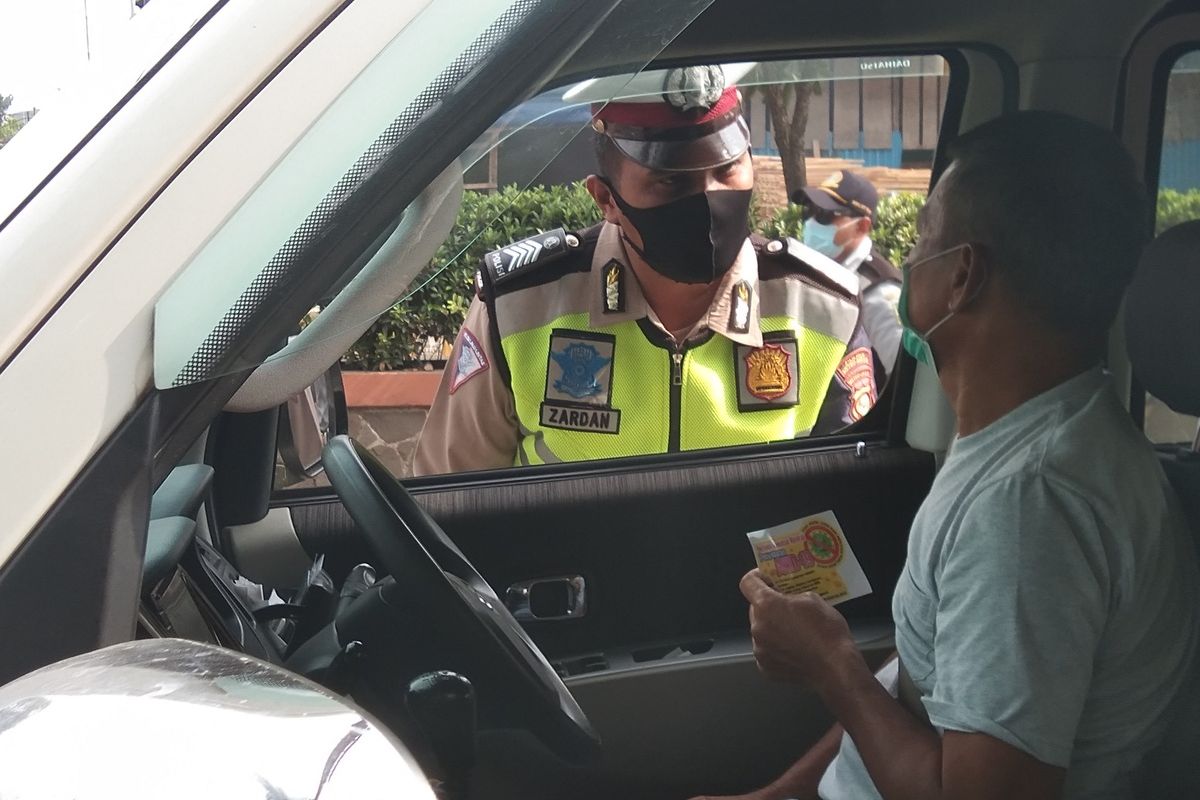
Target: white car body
86	259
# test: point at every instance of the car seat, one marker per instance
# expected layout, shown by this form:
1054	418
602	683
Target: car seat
1162	337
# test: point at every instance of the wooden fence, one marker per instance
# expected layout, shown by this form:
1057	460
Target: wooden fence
768	178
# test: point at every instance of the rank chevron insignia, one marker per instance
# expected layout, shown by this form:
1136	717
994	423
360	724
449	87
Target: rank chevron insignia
518	257
522	253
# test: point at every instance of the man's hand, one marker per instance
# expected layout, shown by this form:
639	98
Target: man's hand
798	638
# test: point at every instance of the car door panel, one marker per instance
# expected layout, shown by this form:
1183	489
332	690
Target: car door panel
705	724
661	548
661	661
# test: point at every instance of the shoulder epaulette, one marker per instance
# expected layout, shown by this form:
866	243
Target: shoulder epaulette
799	257
525	255
525	262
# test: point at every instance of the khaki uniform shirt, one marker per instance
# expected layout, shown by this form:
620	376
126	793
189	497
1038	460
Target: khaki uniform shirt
473	424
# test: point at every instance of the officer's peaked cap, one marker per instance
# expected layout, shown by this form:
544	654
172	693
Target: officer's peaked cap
694	122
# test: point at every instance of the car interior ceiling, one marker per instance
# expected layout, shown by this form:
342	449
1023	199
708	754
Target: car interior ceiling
192	589
1025	30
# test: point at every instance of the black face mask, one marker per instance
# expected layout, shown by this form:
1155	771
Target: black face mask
694	239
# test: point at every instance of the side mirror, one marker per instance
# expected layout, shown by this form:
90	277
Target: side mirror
168	717
308	420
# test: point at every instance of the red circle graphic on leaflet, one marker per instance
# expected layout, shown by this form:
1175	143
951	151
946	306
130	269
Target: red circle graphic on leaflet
823	544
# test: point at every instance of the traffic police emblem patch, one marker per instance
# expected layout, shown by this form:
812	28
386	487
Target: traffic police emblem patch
856	373
470	362
579	382
768	376
578	364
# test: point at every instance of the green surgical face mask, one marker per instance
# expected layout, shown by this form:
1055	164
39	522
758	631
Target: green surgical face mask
917	344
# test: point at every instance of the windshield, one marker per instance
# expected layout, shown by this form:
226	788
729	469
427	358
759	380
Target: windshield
438	58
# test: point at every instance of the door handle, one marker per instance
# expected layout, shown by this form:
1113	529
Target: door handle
543	599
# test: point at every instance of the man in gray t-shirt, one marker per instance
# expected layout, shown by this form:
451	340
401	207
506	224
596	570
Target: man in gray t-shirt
1046	616
1048	591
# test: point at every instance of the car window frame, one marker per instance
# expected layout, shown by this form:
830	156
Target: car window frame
1140	119
884	426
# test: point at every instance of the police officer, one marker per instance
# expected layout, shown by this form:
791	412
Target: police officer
839	215
666	327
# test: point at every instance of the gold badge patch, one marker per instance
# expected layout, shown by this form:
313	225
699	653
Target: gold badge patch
614	287
767	373
857	374
739	308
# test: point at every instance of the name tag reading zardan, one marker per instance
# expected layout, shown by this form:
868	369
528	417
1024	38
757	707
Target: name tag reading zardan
810	554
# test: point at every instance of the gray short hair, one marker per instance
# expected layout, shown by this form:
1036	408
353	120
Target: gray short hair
1058	203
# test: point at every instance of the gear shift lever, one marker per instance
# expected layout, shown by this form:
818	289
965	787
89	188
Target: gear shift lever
443	704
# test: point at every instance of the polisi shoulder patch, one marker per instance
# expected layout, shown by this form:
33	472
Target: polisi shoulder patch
519	258
471	360
822	269
856	373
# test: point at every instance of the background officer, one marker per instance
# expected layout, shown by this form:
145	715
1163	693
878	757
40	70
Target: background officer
839	215
667	326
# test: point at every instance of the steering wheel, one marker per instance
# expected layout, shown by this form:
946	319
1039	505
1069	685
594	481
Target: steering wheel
414	550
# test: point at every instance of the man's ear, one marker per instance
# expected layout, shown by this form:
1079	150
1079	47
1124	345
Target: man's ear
600	193
864	226
970	276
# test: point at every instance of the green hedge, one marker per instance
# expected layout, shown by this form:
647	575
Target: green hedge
1176	207
438	301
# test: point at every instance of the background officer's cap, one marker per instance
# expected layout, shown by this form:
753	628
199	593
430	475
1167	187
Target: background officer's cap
841	193
695	122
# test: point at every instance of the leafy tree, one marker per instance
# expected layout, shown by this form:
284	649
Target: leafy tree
1176	207
894	231
787	88
9	125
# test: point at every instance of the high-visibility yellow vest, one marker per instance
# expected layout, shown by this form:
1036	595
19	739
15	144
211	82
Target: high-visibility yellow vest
589	392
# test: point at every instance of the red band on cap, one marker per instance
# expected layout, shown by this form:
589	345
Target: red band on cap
664	115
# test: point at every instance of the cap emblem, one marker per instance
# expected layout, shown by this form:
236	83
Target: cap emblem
833	181
694	89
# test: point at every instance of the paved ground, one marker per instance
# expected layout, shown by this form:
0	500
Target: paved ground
390	433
